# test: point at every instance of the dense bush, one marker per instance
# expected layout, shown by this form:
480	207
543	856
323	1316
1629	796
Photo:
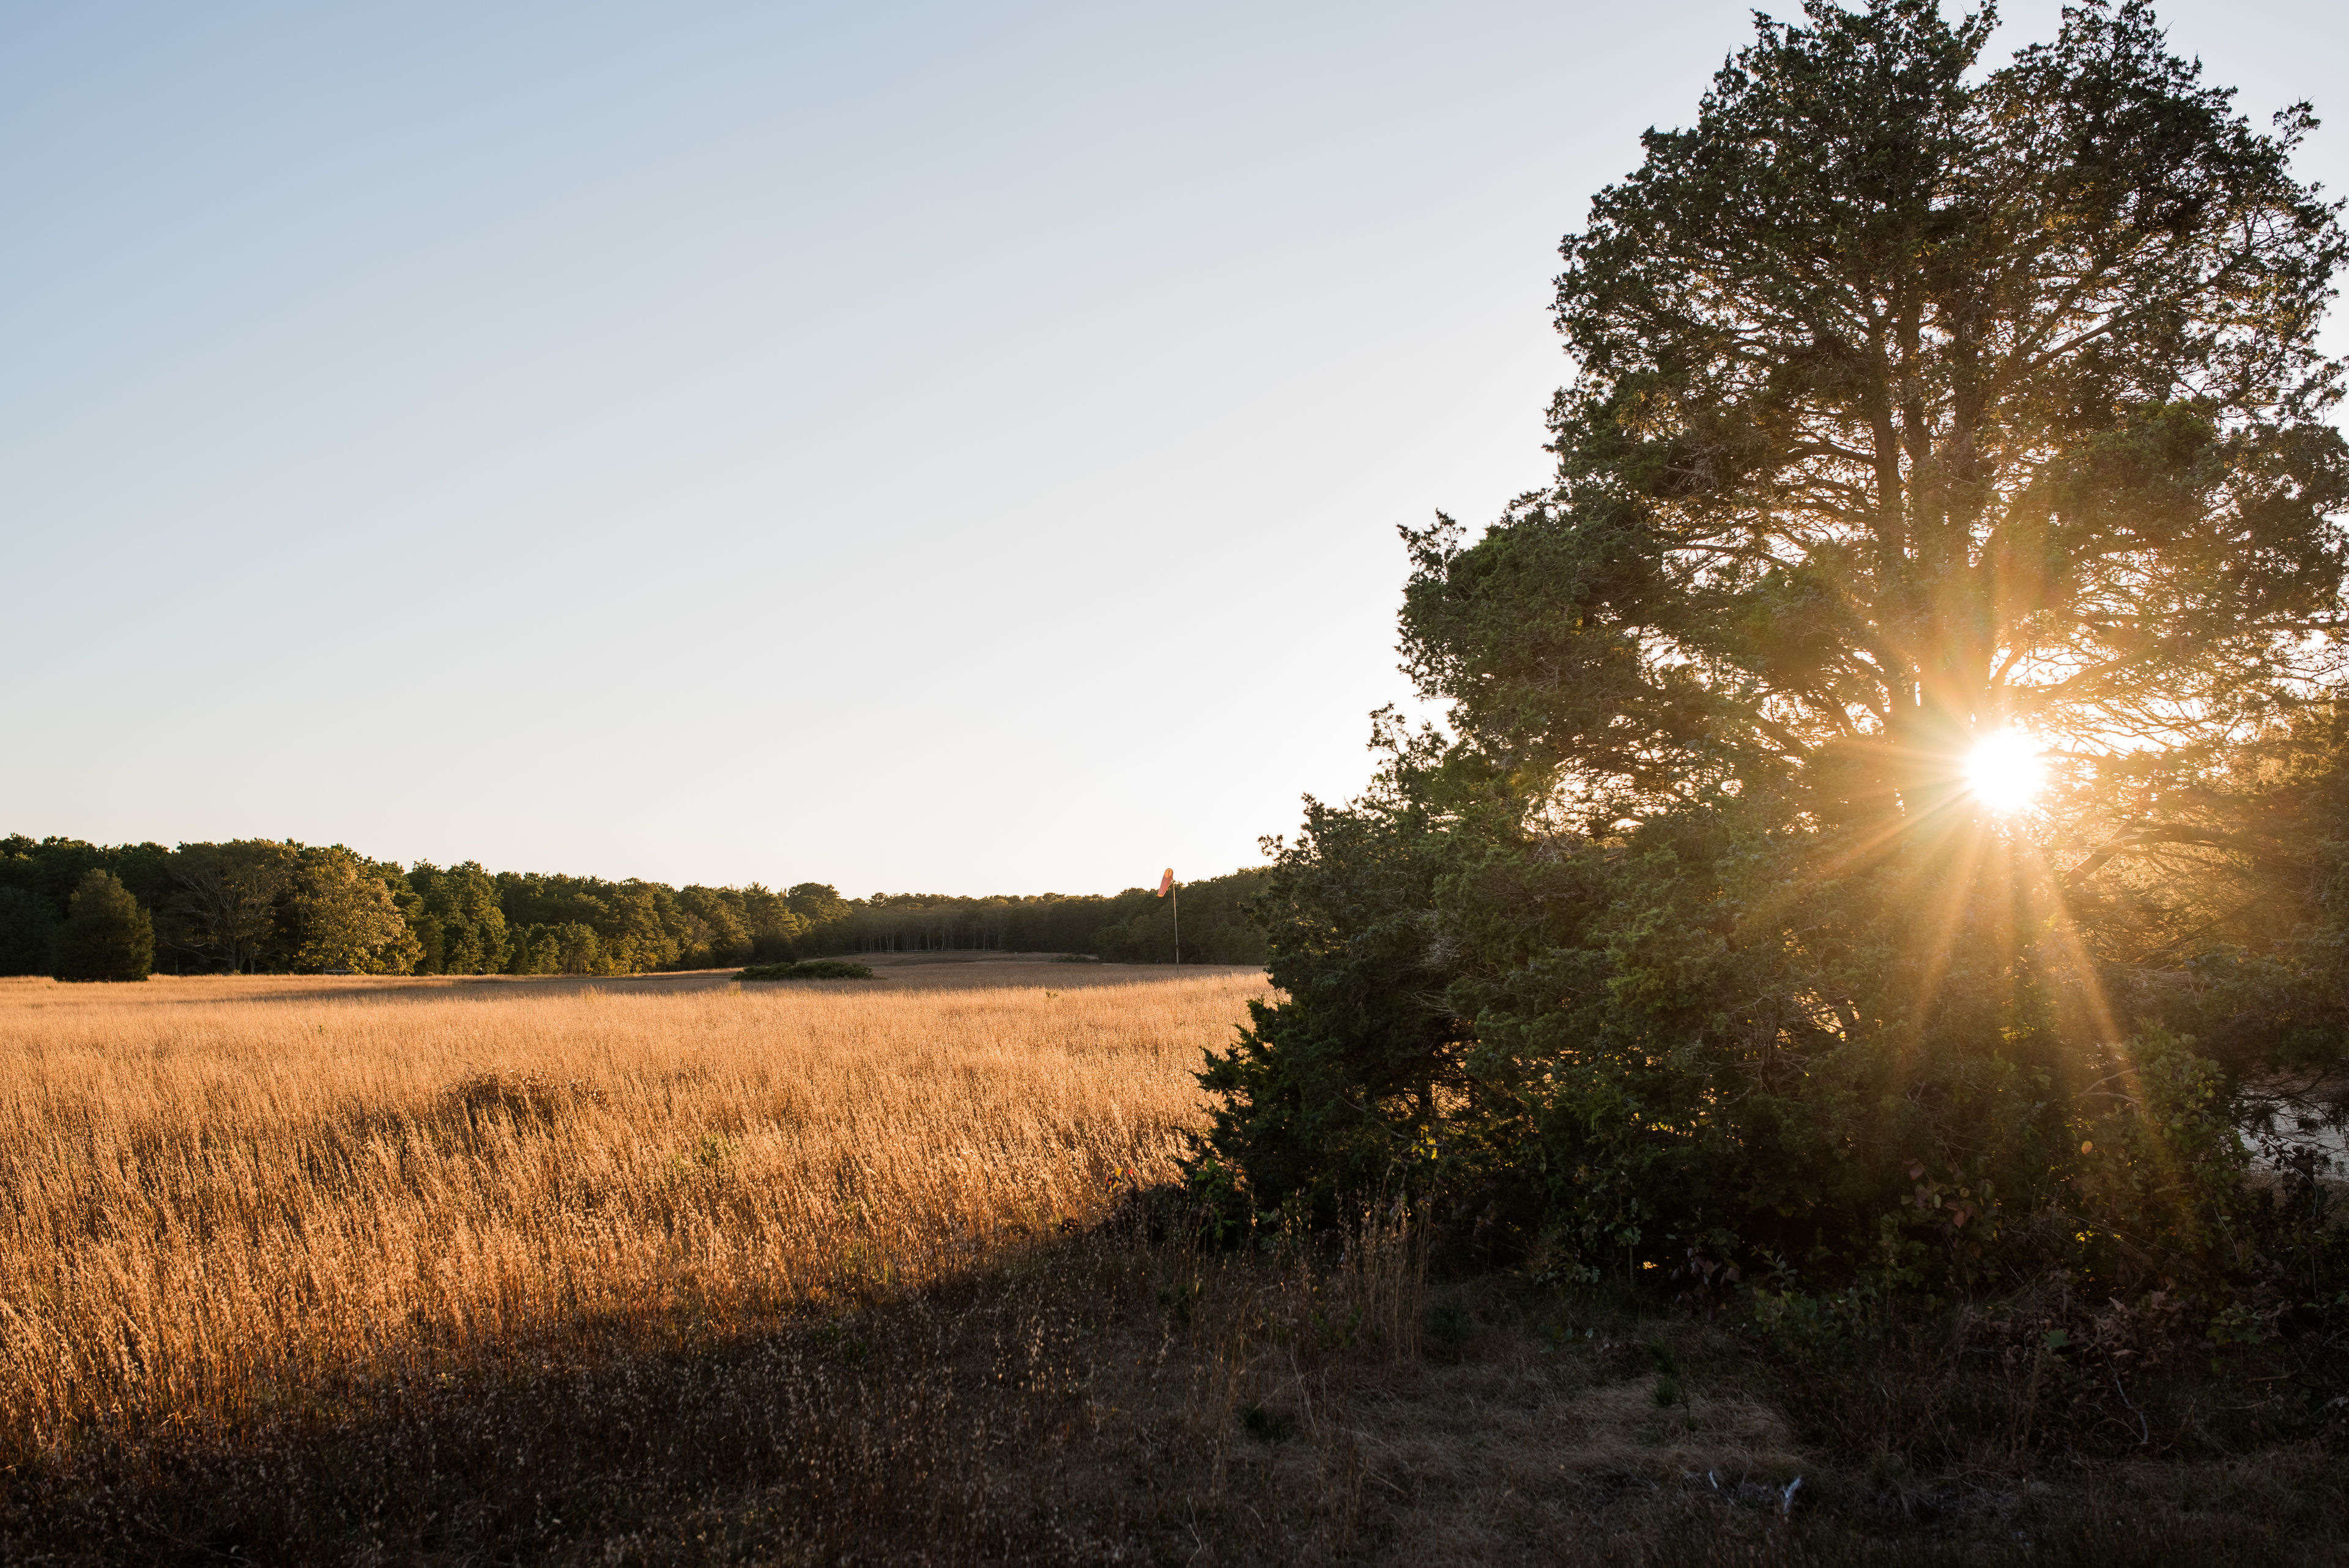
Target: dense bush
808	969
1715	1038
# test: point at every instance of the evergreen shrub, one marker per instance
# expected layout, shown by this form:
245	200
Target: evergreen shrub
814	969
106	937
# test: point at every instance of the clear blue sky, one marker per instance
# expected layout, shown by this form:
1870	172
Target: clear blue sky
952	448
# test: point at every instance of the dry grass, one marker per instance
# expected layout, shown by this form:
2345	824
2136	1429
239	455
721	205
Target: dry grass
220	1190
666	1270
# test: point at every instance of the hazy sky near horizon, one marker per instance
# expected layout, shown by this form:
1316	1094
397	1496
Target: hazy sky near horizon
944	448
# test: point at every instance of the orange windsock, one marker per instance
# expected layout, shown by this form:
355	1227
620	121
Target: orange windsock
1166	882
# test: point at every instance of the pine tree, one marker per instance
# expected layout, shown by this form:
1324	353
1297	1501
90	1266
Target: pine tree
1920	408
106	937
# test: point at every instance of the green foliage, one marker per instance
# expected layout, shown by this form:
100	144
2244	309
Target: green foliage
1914	401
346	917
1134	926
106	935
808	969
924	922
1215	927
586	925
229	903
49	870
717	929
458	921
27	930
257	904
637	925
817	904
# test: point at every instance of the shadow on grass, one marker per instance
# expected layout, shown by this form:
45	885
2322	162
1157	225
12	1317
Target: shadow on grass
1102	1397
877	1431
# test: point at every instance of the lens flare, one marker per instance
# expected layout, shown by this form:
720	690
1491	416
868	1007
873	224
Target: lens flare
2004	771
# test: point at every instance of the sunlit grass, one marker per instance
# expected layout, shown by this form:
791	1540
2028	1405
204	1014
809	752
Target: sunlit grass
216	1188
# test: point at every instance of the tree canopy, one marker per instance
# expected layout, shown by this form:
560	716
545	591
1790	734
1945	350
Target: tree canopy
1908	405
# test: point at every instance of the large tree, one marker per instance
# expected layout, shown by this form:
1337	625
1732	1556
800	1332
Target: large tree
346	917
1914	402
227	908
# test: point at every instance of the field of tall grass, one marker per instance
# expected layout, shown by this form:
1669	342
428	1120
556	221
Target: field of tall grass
680	1270
219	1192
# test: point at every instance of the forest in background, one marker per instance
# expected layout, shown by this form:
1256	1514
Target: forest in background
261	906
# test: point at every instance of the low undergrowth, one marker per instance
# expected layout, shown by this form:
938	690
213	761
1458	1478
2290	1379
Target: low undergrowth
1116	1395
809	969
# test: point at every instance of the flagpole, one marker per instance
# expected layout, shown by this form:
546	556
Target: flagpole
1167	890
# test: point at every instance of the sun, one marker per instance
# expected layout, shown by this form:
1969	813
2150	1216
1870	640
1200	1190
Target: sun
2004	771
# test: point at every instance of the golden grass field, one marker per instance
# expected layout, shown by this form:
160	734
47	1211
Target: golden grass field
218	1191
670	1270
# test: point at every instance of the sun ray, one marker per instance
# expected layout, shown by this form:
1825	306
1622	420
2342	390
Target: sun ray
2006	771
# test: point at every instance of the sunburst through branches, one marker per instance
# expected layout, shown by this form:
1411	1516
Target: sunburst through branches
2006	771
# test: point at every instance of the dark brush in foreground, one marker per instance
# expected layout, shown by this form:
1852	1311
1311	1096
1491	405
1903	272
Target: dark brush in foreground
813	969
1127	1394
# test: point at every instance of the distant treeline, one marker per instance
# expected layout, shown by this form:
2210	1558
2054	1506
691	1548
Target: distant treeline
1136	926
260	906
